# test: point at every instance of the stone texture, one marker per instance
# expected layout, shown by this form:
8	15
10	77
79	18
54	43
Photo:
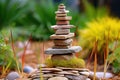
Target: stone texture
100	75
61	7
62	57
12	76
73	77
72	49
62	12
61	47
70	73
54	36
61	15
28	69
62	22
58	78
67	18
62	42
62	31
51	69
62	26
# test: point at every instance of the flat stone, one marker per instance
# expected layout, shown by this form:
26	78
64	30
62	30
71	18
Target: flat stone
62	26
62	31
61	4
54	36
61	47
58	78
62	42
66	73
51	69
77	69
67	18
62	22
72	49
73	77
85	73
62	12
61	7
62	56
61	15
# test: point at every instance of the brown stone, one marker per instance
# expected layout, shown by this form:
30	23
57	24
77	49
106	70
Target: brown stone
62	26
54	36
62	22
62	42
67	18
61	47
61	7
61	15
62	31
62	56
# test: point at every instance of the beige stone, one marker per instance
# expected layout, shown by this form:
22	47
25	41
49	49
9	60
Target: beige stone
62	12
61	15
62	26
67	18
61	7
58	78
62	31
54	36
52	69
62	42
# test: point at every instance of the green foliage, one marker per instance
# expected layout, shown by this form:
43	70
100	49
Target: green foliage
6	55
10	11
114	58
72	63
35	17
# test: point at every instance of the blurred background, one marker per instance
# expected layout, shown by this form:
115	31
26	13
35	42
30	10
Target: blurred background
97	27
34	17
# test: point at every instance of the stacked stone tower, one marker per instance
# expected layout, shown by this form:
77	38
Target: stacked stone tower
62	49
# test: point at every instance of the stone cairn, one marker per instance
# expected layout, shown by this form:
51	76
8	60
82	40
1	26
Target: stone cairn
62	48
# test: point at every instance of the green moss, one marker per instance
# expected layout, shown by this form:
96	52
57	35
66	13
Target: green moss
72	63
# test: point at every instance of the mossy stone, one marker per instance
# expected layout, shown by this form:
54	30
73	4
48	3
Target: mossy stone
72	63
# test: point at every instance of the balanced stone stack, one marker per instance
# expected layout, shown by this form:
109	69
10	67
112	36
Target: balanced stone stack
62	38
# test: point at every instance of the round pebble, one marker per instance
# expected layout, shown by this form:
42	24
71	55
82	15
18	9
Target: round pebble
28	69
12	76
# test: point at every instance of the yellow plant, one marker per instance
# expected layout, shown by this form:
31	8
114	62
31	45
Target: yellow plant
105	30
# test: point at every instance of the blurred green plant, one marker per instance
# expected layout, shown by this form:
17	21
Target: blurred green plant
36	17
10	11
6	56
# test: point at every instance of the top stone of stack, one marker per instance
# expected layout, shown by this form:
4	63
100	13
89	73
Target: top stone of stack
61	10
62	18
